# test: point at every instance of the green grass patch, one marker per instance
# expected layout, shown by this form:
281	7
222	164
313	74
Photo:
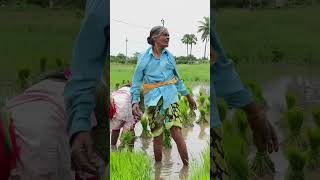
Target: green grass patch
127	165
201	169
123	72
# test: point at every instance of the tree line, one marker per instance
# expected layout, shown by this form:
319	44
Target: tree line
252	4
47	3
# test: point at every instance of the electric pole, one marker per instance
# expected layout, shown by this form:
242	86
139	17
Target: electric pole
126	50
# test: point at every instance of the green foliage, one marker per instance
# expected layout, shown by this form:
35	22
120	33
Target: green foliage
202	100
167	139
291	100
202	118
222	108
316	116
241	121
128	165
23	75
297	162
201	169
59	63
186	120
314	148
127	138
257	93
295	119
43	64
236	153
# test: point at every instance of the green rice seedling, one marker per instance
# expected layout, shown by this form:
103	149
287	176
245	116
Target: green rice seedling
144	122
128	165
167	139
290	100
126	139
117	85
314	148
201	169
186	120
59	63
202	100
262	164
43	64
241	121
23	75
202	118
236	153
222	108
208	107
316	116
297	162
295	118
257	93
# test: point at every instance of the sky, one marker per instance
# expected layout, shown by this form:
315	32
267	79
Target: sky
133	19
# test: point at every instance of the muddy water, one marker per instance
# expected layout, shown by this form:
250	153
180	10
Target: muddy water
274	92
196	138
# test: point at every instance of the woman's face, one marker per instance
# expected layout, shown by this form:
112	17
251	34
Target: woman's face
163	39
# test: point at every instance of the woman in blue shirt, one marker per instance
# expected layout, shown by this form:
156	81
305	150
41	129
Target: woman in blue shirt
226	84
156	70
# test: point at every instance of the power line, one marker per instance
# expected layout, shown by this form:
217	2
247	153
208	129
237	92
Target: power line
138	26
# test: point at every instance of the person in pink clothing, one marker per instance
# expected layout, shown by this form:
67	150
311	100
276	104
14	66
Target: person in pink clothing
121	114
40	121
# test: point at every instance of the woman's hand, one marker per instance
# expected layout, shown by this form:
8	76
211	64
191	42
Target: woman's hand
264	135
192	102
136	110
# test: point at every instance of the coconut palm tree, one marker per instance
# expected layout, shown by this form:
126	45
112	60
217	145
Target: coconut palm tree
204	28
192	40
185	40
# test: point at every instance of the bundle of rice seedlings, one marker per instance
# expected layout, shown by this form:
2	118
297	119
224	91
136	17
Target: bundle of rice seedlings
144	122
202	118
202	100
127	139
186	120
167	139
290	100
316	116
314	148
297	162
128	165
295	118
208	107
262	165
222	108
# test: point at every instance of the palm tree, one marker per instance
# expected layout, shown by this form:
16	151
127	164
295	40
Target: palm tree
204	28
185	40
192	40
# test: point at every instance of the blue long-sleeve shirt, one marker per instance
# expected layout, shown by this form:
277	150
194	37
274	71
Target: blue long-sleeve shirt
225	81
88	60
150	70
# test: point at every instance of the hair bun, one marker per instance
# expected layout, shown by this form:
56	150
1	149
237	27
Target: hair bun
149	40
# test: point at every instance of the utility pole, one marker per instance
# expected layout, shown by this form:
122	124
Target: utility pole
126	50
162	21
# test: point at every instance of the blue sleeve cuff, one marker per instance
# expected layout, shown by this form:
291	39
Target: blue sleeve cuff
239	99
